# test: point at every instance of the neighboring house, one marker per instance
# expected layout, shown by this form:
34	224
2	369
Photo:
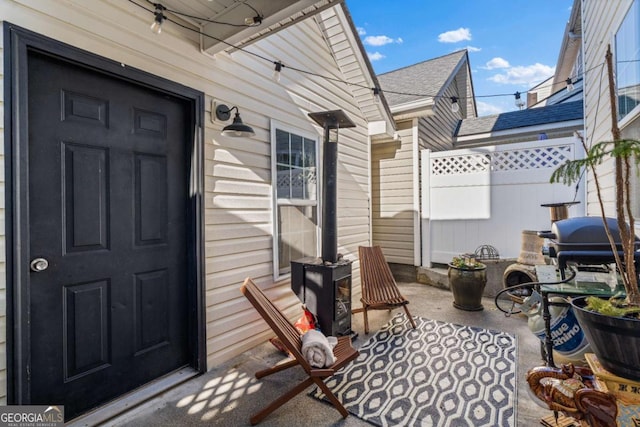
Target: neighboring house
129	221
612	24
420	98
553	121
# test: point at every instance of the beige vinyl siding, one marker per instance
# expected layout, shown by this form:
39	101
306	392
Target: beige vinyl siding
3	246
392	196
395	164
435	132
600	23
238	195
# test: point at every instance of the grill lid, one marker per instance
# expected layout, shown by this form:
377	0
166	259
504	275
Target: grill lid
584	230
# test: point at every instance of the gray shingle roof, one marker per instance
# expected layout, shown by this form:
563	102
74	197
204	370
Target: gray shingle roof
523	118
425	77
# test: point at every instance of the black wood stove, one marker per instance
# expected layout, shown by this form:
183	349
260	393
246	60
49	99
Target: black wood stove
325	289
324	284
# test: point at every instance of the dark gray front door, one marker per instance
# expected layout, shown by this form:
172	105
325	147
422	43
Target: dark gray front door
107	203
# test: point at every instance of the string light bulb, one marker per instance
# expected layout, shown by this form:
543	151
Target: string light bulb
519	101
569	84
276	70
455	107
156	25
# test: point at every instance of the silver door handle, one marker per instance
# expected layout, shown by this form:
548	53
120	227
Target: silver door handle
39	264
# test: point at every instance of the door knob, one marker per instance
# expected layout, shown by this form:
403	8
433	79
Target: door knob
39	264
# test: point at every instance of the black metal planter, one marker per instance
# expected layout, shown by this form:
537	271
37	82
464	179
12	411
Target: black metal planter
614	340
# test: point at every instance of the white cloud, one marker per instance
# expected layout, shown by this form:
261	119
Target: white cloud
497	62
455	36
375	56
529	75
361	31
468	48
380	40
486	109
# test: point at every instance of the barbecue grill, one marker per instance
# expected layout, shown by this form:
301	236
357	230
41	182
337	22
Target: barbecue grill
583	240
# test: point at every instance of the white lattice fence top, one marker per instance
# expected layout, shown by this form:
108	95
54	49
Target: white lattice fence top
298	178
531	158
502	161
459	165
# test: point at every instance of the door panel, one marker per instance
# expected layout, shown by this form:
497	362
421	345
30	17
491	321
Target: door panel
108	206
85	198
150	199
86	339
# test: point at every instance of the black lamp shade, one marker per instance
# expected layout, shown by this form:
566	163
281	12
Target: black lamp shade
237	128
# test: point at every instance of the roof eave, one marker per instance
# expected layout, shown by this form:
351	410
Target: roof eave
571	43
384	111
296	12
487	137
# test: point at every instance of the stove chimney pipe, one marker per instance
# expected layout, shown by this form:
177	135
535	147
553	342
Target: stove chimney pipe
331	121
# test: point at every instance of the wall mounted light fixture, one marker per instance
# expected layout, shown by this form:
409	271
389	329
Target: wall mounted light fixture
235	129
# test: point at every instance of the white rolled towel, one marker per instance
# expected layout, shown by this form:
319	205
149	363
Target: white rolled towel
317	349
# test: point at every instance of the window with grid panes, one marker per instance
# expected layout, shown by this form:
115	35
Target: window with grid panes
296	201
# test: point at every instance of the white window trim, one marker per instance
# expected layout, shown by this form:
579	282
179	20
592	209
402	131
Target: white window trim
635	112
630	117
274	191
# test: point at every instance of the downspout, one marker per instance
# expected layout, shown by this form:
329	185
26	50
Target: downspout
425	238
370	192
417	224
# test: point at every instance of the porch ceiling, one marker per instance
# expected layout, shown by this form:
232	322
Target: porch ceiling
276	14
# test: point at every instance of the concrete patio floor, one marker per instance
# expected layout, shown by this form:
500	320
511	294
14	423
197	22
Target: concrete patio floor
229	394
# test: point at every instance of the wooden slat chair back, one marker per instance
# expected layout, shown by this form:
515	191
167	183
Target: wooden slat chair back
291	339
379	288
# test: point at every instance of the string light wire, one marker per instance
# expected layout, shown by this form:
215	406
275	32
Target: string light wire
186	15
375	90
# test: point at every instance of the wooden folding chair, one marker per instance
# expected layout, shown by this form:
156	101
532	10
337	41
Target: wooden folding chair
291	339
379	288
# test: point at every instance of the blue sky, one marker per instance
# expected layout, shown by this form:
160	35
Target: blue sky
513	44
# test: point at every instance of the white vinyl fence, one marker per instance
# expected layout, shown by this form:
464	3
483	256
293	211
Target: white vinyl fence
489	195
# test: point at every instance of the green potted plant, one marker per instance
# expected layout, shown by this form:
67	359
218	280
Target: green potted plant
612	327
467	279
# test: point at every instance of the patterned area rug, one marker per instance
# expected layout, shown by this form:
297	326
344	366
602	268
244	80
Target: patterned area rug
439	374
